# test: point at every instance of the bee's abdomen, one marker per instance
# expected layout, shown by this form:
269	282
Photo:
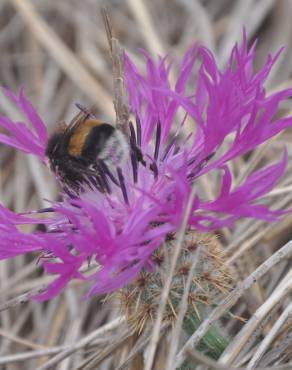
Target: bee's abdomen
81	138
116	151
96	141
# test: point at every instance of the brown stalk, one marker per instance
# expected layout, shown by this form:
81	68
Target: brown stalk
120	95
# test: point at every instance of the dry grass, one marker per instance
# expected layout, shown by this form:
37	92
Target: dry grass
58	50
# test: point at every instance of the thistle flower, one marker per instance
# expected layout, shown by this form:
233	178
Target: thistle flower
121	224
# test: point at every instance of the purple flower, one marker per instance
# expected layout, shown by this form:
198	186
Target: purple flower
119	227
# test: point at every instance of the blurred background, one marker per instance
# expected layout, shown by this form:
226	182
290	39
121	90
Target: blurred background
58	51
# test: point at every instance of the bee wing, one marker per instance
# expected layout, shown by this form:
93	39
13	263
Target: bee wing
80	118
75	123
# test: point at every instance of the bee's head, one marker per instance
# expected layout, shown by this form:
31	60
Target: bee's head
54	150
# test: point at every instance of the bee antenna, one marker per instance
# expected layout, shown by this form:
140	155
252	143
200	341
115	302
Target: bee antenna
84	110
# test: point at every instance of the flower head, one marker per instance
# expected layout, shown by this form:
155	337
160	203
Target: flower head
211	278
119	222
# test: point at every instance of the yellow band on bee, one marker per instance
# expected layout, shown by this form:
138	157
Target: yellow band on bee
79	136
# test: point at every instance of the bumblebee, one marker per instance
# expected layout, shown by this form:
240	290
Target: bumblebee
81	152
